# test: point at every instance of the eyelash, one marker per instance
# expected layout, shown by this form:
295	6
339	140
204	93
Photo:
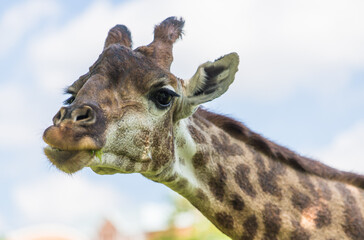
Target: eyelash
69	100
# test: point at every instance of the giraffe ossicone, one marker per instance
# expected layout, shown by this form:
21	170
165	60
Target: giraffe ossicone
130	114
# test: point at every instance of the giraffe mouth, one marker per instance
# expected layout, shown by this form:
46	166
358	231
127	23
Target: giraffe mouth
69	161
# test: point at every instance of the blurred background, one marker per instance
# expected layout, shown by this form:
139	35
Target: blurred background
300	83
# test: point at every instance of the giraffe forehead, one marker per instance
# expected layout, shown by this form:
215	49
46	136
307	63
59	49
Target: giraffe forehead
124	69
130	69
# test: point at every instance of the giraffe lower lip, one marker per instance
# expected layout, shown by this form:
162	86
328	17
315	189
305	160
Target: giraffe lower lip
68	161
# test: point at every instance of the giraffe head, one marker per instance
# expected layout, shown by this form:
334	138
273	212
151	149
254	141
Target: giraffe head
122	115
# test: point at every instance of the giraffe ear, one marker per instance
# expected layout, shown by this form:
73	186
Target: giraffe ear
211	80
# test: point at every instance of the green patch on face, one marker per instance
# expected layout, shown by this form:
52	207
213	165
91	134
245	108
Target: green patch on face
98	154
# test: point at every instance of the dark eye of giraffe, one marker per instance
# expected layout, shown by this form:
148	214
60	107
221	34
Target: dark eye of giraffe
163	97
69	100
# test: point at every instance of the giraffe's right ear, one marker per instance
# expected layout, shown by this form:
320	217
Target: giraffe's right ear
211	80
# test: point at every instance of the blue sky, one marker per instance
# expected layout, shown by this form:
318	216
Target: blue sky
300	83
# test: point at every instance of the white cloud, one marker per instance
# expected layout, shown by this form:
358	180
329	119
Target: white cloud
346	151
302	44
61	56
64	199
155	216
77	201
16	120
21	19
283	47
185	219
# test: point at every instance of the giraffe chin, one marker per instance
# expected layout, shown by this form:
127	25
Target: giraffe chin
111	164
68	161
104	170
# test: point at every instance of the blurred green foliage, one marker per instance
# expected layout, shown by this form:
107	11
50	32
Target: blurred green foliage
201	228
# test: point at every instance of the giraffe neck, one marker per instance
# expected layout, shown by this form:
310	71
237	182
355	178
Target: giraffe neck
248	195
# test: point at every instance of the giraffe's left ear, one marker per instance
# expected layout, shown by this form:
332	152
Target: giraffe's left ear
211	80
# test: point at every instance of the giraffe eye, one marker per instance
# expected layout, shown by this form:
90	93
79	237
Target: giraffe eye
69	100
163	97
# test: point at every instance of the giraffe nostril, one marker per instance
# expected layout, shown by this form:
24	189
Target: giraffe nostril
78	115
57	119
84	114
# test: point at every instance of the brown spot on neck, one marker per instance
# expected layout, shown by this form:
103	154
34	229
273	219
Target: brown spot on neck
300	200
272	221
237	202
242	179
323	216
217	183
200	160
354	223
197	136
225	220
268	179
250	227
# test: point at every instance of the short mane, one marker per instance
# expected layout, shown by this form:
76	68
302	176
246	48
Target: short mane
241	132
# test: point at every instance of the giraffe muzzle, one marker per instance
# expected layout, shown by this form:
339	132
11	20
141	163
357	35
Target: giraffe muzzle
76	134
77	128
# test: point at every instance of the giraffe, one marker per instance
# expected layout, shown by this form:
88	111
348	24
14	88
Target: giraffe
130	114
